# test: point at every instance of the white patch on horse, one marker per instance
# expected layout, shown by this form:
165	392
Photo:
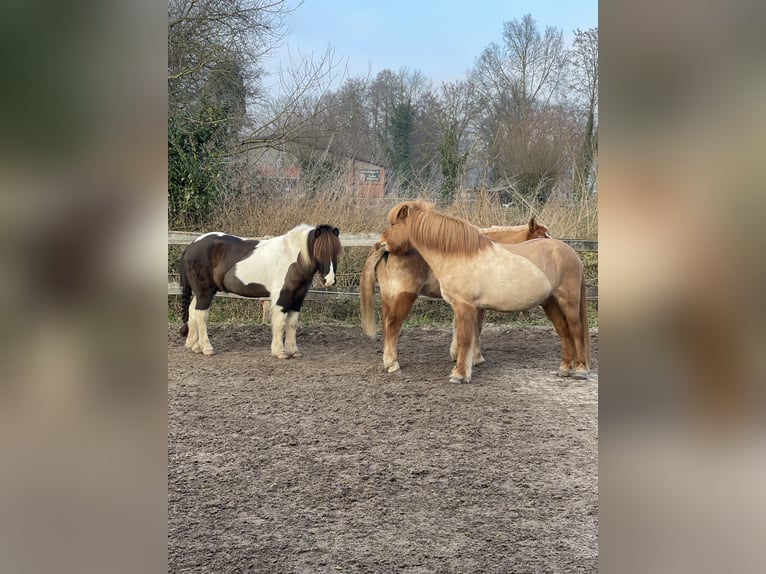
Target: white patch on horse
329	279
267	265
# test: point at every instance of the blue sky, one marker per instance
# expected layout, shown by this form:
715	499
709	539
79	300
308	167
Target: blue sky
441	38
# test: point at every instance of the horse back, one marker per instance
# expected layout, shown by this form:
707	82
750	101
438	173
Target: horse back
553	257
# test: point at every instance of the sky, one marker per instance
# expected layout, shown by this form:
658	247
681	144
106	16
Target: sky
440	38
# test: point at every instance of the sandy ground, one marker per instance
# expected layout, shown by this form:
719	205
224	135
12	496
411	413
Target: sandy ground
327	463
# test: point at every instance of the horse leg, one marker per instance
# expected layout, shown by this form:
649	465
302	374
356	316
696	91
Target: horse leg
292	325
200	313
465	327
265	311
554	313
577	331
204	341
478	358
394	314
193	335
453	344
278	324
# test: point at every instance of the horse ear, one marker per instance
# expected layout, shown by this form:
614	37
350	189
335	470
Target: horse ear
532	224
317	232
336	231
403	212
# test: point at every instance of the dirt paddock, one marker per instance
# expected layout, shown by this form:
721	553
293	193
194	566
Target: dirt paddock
326	463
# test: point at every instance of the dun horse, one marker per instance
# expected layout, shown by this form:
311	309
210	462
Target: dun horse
403	277
478	273
281	268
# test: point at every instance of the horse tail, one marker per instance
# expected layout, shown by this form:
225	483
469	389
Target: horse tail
367	289
584	321
186	297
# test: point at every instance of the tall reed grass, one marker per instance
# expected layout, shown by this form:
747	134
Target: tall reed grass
274	214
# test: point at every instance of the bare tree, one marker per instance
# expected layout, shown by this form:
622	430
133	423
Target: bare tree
457	109
518	83
219	37
584	60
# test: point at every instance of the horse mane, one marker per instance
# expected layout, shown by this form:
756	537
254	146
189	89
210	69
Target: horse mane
326	245
434	230
299	236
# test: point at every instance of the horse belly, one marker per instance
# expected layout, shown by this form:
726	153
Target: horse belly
513	292
234	284
498	286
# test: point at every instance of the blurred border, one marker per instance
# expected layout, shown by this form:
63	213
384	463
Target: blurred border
83	227
681	280
82	218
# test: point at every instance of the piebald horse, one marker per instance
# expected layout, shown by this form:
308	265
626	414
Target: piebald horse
281	268
402	278
476	272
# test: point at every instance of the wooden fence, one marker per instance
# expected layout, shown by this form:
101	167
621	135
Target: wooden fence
350	240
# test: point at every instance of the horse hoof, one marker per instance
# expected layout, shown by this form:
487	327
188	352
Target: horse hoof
458	381
296	354
479	361
196	349
564	373
394	368
208	352
283	356
580	375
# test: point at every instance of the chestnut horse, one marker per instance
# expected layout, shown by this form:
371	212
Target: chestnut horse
281	268
476	273
403	277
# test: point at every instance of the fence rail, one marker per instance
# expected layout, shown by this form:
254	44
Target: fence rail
347	240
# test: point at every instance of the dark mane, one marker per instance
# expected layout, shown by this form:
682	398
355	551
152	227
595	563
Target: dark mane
326	246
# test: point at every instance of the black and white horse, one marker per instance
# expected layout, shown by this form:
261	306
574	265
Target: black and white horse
281	268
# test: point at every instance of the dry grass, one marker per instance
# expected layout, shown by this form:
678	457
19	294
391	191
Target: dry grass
273	215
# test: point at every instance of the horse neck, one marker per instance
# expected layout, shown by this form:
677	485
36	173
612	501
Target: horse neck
436	256
298	239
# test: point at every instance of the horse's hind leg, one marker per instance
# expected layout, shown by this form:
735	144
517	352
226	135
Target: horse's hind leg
554	313
197	339
291	345
478	358
576	334
394	314
192	337
204	341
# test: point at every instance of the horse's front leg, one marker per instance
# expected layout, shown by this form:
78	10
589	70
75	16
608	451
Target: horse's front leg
478	358
394	314
278	324
465	333
292	326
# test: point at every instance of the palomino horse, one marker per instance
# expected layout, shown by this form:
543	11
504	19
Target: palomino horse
478	273
281	268
403	277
